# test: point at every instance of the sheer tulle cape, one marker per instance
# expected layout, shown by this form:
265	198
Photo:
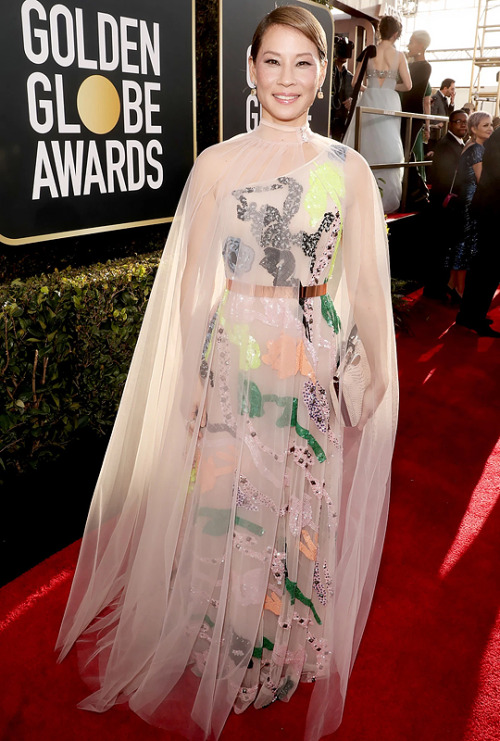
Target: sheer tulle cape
142	557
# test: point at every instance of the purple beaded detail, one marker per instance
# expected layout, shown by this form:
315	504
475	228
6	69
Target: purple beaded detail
324	591
316	401
303	458
324	260
278	567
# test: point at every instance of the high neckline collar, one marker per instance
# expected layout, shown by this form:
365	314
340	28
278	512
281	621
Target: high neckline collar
288	133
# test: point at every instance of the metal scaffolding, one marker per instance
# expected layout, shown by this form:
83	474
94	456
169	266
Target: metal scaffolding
459	55
484	54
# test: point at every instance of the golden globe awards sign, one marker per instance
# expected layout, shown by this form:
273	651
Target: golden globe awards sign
240	111
97	123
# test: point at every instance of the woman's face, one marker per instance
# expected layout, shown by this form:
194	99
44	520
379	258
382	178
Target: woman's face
414	47
287	73
483	130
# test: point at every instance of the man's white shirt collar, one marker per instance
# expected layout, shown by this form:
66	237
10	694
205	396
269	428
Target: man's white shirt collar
460	141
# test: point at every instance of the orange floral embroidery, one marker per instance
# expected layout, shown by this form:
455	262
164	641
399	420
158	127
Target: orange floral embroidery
309	548
273	603
287	357
303	363
209	471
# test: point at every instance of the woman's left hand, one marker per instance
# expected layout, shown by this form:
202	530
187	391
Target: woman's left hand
371	401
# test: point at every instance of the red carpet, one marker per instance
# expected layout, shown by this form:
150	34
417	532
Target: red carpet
429	664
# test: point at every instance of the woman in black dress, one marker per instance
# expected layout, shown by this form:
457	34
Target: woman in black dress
420	72
484	274
413	102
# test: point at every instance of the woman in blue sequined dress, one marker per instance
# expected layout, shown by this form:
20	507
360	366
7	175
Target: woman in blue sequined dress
380	135
480	128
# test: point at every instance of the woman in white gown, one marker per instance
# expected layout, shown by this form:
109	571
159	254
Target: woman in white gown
229	556
380	135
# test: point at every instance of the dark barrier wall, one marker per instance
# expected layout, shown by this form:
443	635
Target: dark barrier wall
97	121
239	109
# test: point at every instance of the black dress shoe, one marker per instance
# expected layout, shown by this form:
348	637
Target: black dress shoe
482	328
436	295
454	296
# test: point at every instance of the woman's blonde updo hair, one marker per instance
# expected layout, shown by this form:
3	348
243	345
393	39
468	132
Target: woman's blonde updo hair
300	19
388	26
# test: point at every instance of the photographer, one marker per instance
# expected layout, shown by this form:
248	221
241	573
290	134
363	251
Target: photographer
341	87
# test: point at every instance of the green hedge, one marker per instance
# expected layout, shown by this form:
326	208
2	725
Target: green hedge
66	343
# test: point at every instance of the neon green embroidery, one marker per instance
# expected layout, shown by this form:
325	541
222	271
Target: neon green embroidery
324	180
252	403
306	435
219	521
295	593
239	335
258	650
251	526
329	314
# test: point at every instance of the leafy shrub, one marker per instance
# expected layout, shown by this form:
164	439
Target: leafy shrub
66	341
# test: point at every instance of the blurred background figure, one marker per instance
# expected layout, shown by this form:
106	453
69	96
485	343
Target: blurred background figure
381	134
442	104
420	72
443	214
417	100
480	128
341	87
483	276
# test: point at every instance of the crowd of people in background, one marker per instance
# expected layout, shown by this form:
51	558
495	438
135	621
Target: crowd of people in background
457	191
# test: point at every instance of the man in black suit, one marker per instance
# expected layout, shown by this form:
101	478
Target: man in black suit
442	175
483	275
441	107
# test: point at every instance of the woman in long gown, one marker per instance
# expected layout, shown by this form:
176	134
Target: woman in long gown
381	134
236	530
480	128
417	100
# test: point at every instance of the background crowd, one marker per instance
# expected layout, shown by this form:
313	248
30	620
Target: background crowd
457	191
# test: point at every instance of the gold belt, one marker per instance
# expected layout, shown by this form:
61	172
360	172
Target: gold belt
275	291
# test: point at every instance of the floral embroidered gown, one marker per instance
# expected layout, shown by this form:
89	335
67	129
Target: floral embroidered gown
237	526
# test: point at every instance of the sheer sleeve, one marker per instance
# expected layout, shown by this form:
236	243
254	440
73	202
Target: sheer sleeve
162	386
367	270
361	293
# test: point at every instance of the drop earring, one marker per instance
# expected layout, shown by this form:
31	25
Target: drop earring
320	94
253	90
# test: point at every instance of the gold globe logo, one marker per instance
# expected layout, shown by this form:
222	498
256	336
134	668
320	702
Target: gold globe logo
98	104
